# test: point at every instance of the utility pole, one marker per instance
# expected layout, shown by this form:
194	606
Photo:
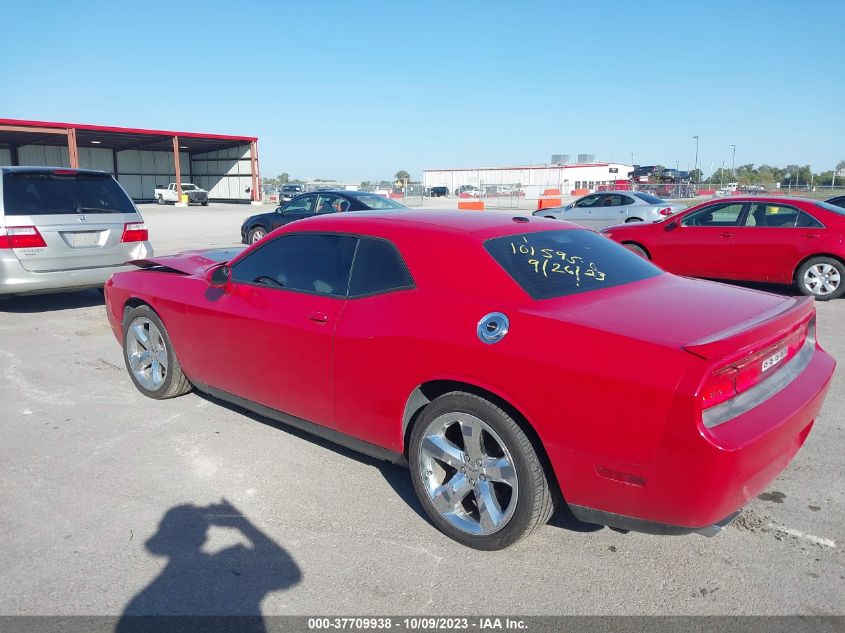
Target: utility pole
733	162
632	159
695	169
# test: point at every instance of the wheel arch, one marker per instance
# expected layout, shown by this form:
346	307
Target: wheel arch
428	391
638	244
803	261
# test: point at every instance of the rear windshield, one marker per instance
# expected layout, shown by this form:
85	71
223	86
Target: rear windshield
378	202
831	207
559	263
44	193
647	197
291	188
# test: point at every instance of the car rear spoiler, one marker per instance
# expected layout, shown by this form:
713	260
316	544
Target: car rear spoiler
766	326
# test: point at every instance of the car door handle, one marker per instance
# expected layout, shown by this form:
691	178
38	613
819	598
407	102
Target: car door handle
809	236
319	317
726	234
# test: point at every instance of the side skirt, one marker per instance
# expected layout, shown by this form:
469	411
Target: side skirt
622	522
326	433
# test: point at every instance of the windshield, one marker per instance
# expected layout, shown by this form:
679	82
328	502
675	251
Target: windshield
831	207
46	193
291	188
187	187
558	263
378	202
647	197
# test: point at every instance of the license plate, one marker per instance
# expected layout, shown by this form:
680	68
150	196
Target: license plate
83	238
774	359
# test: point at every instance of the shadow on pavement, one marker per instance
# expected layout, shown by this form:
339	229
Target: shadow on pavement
397	476
229	583
29	304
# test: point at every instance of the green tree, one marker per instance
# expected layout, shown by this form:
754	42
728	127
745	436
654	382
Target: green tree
696	175
403	176
840	166
283	178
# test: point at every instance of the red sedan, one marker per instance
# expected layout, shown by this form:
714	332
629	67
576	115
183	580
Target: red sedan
507	360
776	240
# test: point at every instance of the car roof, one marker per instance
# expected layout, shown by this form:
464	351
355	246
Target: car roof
49	170
484	224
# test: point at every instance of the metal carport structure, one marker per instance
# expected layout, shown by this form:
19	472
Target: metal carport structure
139	158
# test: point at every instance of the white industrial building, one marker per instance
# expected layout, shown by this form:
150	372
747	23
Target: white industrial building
532	179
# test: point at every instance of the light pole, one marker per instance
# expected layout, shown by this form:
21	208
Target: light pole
695	169
632	159
733	162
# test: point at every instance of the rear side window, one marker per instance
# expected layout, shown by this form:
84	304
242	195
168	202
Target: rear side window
647	197
559	263
46	193
377	268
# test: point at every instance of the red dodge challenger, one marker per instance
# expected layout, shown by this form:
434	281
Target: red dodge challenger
511	362
765	239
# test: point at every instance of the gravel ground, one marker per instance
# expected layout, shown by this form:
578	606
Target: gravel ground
89	469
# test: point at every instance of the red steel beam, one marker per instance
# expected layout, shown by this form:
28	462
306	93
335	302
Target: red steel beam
73	152
178	169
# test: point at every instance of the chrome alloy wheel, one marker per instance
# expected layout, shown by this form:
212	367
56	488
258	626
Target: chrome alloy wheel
468	473
147	353
822	279
257	234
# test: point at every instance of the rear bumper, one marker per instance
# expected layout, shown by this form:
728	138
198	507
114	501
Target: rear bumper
619	521
16	280
698	476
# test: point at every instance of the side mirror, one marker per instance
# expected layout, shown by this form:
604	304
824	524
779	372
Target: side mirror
672	225
278	209
219	276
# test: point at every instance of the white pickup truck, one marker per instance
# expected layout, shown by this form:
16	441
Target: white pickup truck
195	194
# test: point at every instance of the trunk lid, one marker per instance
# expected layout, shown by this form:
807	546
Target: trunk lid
706	318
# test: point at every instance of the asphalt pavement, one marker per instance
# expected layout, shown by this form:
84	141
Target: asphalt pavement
115	503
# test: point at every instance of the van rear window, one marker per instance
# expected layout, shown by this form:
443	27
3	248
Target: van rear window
558	263
46	193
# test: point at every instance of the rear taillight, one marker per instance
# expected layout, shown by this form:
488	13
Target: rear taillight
21	237
135	232
666	211
741	375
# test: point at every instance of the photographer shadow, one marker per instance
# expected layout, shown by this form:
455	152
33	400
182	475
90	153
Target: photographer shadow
199	591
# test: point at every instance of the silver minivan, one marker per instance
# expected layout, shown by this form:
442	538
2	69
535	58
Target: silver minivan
65	229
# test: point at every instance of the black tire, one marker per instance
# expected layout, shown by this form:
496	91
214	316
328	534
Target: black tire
159	199
255	234
205	203
175	382
537	493
629	220
836	272
637	249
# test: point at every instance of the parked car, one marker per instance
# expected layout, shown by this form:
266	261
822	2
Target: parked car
504	359
598	210
65	229
469	190
196	195
289	192
838	201
763	239
643	173
256	227
439	192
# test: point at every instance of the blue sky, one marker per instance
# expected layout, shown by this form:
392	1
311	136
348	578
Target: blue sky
359	90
